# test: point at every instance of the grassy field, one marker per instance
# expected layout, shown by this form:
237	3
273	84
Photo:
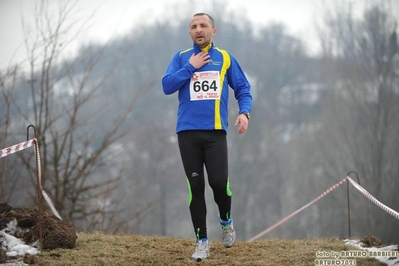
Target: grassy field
106	249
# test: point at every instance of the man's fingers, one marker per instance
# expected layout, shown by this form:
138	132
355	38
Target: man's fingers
243	124
200	59
237	121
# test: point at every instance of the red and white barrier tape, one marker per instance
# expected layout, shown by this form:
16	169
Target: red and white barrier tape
372	199
50	203
39	173
18	147
356	185
297	211
24	145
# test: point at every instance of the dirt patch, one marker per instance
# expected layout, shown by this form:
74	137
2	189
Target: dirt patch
55	232
371	241
3	256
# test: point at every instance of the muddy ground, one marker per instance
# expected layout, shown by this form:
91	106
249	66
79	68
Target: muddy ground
55	232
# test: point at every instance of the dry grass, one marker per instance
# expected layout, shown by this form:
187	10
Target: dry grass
106	249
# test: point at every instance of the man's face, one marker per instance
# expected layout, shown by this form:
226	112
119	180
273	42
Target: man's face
201	30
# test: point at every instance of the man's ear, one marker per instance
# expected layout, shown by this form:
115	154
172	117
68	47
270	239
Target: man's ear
214	31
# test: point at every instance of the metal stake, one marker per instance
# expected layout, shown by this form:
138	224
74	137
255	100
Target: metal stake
38	185
347	192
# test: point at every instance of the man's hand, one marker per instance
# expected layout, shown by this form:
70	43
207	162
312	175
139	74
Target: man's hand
200	59
242	121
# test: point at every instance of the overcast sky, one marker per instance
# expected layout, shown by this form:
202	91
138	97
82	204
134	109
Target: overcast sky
116	17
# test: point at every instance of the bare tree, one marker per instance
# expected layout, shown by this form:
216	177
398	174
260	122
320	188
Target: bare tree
78	134
7	87
360	122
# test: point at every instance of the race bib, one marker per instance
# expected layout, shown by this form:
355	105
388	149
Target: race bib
205	86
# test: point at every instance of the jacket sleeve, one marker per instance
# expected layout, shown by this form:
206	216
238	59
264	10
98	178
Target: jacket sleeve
176	76
239	83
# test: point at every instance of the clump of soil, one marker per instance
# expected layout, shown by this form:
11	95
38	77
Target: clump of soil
55	232
371	241
3	256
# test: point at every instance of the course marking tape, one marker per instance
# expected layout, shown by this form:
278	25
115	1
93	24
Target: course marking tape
24	145
372	199
18	147
297	211
356	185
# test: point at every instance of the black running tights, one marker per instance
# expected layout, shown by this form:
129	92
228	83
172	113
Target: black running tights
199	148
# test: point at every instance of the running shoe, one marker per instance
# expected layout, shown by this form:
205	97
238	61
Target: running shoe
228	232
202	250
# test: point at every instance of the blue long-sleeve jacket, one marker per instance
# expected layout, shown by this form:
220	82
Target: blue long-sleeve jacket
203	93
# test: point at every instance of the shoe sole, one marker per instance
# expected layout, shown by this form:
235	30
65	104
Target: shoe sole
229	246
198	259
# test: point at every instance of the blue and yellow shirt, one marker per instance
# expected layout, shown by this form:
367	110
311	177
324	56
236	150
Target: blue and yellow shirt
203	93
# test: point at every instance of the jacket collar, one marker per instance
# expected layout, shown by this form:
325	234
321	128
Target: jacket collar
197	49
